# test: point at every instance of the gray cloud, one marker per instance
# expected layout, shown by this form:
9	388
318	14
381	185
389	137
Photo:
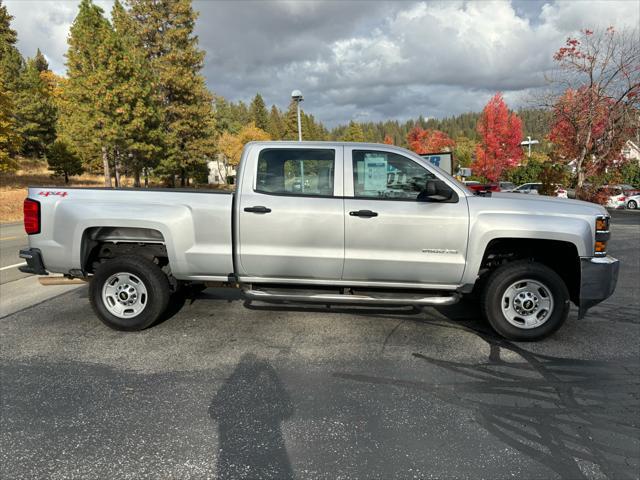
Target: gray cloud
365	60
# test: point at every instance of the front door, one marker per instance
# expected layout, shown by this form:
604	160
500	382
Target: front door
291	211
393	233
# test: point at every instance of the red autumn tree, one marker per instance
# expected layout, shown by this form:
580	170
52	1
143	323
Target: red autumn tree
579	123
500	136
599	75
388	140
424	141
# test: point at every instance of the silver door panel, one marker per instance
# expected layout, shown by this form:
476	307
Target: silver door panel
413	242
408	241
302	236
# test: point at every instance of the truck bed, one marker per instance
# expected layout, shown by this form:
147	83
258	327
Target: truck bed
197	222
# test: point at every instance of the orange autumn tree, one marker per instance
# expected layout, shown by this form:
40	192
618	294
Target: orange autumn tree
424	141
500	136
388	140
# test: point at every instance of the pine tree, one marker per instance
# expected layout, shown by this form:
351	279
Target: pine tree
259	114
290	122
165	28
9	139
354	133
308	127
40	62
11	62
36	112
137	113
82	123
10	68
275	126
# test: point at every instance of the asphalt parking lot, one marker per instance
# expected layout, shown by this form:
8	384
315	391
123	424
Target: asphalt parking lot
221	390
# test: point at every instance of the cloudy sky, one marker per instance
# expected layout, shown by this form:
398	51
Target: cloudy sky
364	60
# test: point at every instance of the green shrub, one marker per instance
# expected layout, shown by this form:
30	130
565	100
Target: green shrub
62	161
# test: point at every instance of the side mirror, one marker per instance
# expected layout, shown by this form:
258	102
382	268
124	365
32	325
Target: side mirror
430	189
433	192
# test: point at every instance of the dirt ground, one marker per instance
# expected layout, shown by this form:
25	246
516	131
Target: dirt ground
13	186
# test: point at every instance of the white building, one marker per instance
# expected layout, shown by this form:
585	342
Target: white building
631	151
219	172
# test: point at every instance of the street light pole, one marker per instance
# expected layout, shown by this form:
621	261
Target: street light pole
296	96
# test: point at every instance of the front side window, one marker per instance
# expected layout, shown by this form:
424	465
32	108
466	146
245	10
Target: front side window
293	171
386	175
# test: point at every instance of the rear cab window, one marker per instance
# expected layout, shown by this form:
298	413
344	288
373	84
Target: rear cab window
296	171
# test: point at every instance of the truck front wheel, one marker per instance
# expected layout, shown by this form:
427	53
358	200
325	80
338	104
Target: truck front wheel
525	301
129	293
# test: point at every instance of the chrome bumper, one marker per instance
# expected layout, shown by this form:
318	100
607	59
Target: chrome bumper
598	278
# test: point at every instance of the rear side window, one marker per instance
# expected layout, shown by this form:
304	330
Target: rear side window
293	171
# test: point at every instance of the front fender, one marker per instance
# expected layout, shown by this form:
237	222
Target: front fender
492	226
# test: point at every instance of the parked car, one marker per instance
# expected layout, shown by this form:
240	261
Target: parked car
349	238
615	197
506	186
633	202
533	188
627	190
482	187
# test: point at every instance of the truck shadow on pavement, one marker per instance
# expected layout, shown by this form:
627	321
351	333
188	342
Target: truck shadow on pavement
579	418
249	409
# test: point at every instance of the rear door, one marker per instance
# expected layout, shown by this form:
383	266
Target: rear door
392	233
291	211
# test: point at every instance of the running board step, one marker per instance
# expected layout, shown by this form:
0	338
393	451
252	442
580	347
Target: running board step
382	299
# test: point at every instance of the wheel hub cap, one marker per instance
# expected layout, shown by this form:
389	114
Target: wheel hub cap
124	295
527	303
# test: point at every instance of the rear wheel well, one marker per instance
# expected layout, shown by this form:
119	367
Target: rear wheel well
100	244
561	257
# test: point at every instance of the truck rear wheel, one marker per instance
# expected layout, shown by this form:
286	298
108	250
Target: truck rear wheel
129	293
525	301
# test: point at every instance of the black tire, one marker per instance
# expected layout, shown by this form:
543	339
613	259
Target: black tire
632	205
505	276
154	280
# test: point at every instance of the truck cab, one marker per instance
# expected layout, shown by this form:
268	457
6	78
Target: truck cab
361	215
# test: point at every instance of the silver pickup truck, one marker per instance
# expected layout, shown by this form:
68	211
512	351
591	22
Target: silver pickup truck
329	223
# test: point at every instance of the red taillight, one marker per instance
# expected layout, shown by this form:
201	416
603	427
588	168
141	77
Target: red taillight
621	199
31	216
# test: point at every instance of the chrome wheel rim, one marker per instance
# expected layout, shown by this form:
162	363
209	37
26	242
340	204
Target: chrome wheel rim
527	304
124	295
